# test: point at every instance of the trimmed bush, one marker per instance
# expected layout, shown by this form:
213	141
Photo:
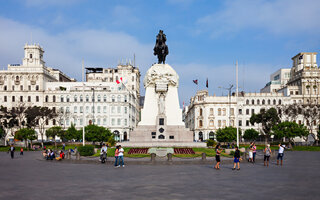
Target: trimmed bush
86	150
211	143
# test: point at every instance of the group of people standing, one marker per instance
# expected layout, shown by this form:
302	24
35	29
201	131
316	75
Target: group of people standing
252	155
118	155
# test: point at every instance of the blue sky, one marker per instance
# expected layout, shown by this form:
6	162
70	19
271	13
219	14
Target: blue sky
205	37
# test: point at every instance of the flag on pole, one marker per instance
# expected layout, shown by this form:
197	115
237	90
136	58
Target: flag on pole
207	83
117	81
195	81
301	57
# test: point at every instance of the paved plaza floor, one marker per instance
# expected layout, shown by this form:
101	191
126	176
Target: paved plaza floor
26	177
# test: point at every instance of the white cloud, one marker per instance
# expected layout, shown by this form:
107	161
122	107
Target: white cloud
281	17
67	49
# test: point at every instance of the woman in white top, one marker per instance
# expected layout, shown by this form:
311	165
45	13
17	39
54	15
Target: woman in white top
120	156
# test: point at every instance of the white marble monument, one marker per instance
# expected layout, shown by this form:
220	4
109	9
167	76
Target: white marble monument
161	117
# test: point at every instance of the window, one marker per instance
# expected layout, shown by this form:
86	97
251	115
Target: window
61	98
171	137
67	121
87	98
240	111
269	102
252	111
252	101
161	137
5	98
68	99
75	98
13	98
5	88
13	88
224	111
224	123
105	98
119	109
232	111
247	123
21	98
37	87
81	109
263	102
247	112
92	109
125	122
125	110
161	121
75	109
113	121
104	121
240	122
211	123
153	134
279	101
112	109
211	111
21	87
81	122
29	87
37	98
98	121
104	109
47	98
30	56
274	102
247	102
200	123
47	122
98	109
81	98
29	98
219	123
92	98
54	98
99	98
54	122
113	98
125	98
119	122
219	111
258	101
119	98
200	111
87	109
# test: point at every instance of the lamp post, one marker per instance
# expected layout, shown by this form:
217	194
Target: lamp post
83	114
237	91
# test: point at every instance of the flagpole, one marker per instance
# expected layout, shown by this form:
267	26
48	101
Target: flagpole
83	115
237	120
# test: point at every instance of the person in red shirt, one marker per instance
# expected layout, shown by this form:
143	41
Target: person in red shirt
21	151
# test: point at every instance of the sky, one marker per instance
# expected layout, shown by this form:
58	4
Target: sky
205	37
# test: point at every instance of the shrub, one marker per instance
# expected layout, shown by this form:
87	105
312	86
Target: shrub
86	150
211	143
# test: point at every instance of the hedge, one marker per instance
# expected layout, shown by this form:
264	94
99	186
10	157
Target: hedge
86	150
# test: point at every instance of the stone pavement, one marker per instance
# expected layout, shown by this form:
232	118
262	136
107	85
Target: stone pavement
26	177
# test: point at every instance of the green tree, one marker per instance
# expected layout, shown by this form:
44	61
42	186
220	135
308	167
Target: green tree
251	134
290	130
26	134
267	119
55	131
73	133
227	134
96	133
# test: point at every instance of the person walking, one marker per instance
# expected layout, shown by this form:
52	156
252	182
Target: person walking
218	152
116	156
11	149
280	153
254	151
21	151
63	146
236	159
120	155
267	153
250	153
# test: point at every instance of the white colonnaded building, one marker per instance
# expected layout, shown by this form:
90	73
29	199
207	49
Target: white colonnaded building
299	85
109	97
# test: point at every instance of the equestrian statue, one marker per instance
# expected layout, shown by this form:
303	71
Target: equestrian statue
161	49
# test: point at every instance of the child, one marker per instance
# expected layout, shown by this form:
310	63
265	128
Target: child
236	158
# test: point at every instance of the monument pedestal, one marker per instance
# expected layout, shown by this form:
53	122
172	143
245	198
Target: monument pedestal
161	117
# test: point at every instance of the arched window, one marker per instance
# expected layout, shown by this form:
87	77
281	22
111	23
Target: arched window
47	98
113	98
54	98
211	123
118	98
269	102
61	98
105	98
200	111
263	102
211	135
219	111
274	102
81	98
258	101
279	101
161	137
68	99
125	98
87	98
252	101
200	123
211	111
75	98
99	98
247	102
200	136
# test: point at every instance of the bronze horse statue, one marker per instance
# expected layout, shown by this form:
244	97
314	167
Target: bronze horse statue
161	49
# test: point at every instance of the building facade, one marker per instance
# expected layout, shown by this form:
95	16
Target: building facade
111	101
